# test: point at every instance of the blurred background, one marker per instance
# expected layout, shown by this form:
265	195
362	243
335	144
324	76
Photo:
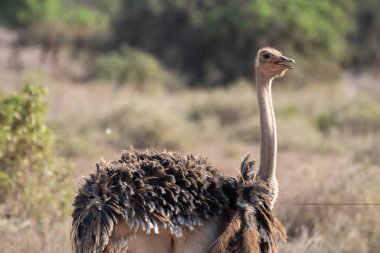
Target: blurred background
84	79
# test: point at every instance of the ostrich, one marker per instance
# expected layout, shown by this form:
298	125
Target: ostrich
166	202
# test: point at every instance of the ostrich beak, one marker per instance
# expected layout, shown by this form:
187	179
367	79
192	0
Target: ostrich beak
285	61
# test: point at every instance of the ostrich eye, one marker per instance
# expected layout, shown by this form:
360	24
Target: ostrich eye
266	56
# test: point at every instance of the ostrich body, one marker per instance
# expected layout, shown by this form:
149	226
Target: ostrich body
166	202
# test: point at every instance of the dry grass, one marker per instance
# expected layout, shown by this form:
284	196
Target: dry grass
29	236
328	150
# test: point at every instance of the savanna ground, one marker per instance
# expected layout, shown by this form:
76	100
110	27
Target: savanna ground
328	145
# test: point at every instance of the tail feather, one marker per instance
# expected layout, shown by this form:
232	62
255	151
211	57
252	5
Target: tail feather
94	217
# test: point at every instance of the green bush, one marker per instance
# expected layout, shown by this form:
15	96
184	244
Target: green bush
26	13
324	122
355	117
134	66
85	17
32	182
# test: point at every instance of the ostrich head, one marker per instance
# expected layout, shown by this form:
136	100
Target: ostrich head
270	63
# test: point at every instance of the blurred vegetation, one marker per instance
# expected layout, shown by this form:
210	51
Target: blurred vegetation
215	41
32	183
133	66
26	13
150	130
53	23
212	42
364	42
356	117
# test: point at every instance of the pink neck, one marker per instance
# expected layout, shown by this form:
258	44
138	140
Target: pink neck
268	145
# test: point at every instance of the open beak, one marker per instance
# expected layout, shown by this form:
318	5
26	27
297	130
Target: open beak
285	61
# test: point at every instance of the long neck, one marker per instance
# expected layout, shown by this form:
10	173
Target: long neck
268	146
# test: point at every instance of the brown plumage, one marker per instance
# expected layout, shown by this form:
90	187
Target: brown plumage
253	227
149	190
